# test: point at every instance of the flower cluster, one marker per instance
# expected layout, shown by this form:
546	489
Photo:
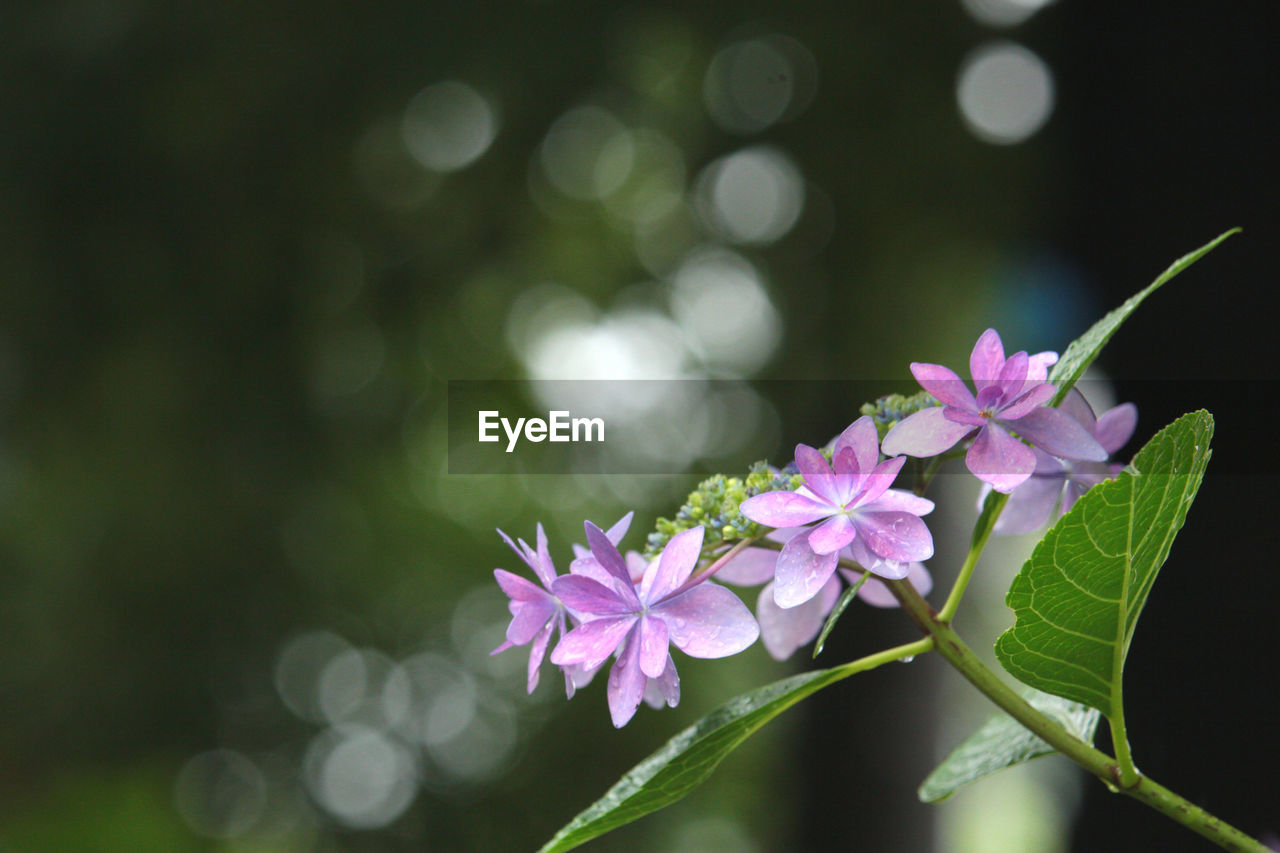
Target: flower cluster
625	608
829	517
1011	396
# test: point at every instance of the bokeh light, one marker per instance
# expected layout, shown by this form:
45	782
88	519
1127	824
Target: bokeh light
756	82
1005	93
448	126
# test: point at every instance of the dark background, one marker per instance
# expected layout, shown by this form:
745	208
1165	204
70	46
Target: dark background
229	305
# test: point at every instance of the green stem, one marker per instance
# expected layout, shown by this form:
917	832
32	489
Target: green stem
981	533
953	649
907	650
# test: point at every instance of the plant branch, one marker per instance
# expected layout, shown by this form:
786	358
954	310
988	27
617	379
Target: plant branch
953	649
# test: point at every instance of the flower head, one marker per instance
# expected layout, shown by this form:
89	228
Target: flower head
1060	482
1011	393
536	612
858	510
639	622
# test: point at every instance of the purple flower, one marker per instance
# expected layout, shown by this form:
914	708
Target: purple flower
1060	483
1011	396
784	630
852	499
535	611
639	623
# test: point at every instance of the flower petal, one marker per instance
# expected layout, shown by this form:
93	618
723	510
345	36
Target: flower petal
1030	505
861	437
626	686
527	619
606	554
925	433
801	572
1115	428
619	529
537	652
817	473
832	535
894	535
651	635
591	643
896	500
664	689
1038	366
943	383
876	594
1035	396
874	563
1057	433
752	567
987	359
1075	405
589	597
784	630
708	621
785	509
1000	459
1013	375
517	588
879	480
675	564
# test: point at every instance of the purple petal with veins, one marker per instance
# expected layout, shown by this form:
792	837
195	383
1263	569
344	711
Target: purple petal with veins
895	535
783	630
896	500
1000	459
986	360
874	563
708	621
925	433
879	480
832	535
1059	434
1022	406
675	564
943	383
590	597
1115	428
592	642
816	472
651	634
626	686
752	567
784	509
1013	375
801	572
1038	366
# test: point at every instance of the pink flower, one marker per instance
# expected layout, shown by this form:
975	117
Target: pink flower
1011	393
639	623
1059	482
858	510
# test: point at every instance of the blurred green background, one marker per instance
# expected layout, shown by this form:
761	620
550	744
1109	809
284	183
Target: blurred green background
244	246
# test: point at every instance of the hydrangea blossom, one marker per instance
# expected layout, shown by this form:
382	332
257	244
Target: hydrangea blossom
858	510
638	623
536	612
1011	393
784	630
1059	482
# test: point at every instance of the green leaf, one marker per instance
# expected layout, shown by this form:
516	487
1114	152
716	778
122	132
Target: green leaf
837	611
1084	349
689	757
1004	742
1077	599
